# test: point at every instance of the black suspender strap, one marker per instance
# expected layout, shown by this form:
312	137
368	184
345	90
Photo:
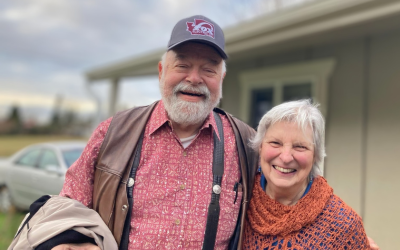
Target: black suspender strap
218	170
129	191
213	209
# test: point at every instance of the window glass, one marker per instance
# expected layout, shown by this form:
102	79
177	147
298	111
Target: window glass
70	156
296	92
262	101
48	158
30	158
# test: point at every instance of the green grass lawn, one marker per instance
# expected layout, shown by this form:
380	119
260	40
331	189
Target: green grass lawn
8	227
12	143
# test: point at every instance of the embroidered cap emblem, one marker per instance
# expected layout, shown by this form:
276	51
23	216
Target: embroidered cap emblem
201	27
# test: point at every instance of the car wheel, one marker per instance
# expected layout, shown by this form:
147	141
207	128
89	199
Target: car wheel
5	200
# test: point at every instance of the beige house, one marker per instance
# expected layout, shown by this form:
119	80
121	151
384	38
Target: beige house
345	54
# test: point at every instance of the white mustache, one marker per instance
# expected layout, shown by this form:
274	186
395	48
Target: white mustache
200	89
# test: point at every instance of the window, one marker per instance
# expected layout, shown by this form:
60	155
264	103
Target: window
49	158
30	158
70	156
297	91
261	102
261	89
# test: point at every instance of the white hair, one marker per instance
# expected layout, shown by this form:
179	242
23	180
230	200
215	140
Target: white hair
184	112
305	114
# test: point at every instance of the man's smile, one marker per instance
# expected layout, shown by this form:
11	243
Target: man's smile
191	93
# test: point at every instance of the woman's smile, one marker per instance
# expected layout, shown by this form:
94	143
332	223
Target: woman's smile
286	158
284	170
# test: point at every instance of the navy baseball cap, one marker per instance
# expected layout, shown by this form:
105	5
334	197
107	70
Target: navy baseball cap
198	29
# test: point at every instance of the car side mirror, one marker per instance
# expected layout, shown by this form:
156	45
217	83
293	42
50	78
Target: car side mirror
53	169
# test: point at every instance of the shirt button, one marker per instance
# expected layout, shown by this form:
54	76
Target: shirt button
177	222
184	153
182	187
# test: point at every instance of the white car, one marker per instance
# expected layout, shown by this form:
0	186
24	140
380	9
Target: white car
35	171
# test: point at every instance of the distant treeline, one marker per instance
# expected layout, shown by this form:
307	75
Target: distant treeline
61	123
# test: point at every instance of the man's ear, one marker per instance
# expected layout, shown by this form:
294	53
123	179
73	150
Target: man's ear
160	69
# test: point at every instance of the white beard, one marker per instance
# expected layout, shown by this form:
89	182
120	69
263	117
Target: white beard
188	113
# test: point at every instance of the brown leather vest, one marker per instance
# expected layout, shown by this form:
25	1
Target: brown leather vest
115	162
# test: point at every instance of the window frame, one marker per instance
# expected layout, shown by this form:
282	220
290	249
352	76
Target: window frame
316	72
54	151
18	162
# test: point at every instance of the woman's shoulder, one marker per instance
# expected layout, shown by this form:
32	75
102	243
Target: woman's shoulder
345	221
339	211
340	207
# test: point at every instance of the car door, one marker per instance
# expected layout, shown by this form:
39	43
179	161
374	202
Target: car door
20	177
49	178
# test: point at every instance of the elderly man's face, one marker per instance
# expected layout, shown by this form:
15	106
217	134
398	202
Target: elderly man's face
191	82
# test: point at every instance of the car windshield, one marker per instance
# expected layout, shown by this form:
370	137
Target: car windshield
71	155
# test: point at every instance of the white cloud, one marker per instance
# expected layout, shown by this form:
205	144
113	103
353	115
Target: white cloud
45	101
47	45
18	68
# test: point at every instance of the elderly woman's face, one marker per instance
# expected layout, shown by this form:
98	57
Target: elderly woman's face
287	156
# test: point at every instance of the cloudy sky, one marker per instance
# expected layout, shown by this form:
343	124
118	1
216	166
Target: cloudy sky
47	45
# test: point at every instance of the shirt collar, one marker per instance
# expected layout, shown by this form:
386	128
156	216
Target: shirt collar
159	117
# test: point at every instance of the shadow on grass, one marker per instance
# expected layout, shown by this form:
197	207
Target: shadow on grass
9	223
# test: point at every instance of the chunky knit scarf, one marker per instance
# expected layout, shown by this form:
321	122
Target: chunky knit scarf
319	220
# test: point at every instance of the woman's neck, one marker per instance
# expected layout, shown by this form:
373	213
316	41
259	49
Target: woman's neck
288	197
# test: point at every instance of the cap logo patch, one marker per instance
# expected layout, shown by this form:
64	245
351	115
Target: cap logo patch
201	27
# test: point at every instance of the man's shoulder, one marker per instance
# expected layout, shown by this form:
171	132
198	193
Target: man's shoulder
132	115
135	110
242	127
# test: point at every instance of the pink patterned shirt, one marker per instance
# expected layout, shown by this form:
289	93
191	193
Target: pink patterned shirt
173	185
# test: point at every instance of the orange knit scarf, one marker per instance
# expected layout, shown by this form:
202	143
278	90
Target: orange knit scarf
319	220
269	217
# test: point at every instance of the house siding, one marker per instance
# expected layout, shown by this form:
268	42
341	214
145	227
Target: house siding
363	123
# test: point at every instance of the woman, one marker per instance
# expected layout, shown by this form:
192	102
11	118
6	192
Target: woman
292	206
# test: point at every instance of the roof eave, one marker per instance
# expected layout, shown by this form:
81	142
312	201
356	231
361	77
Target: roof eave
284	27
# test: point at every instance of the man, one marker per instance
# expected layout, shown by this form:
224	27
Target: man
155	174
172	187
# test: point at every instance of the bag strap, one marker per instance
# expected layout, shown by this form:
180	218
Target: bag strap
218	170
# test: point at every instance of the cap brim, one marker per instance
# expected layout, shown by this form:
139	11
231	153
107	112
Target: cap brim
219	49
